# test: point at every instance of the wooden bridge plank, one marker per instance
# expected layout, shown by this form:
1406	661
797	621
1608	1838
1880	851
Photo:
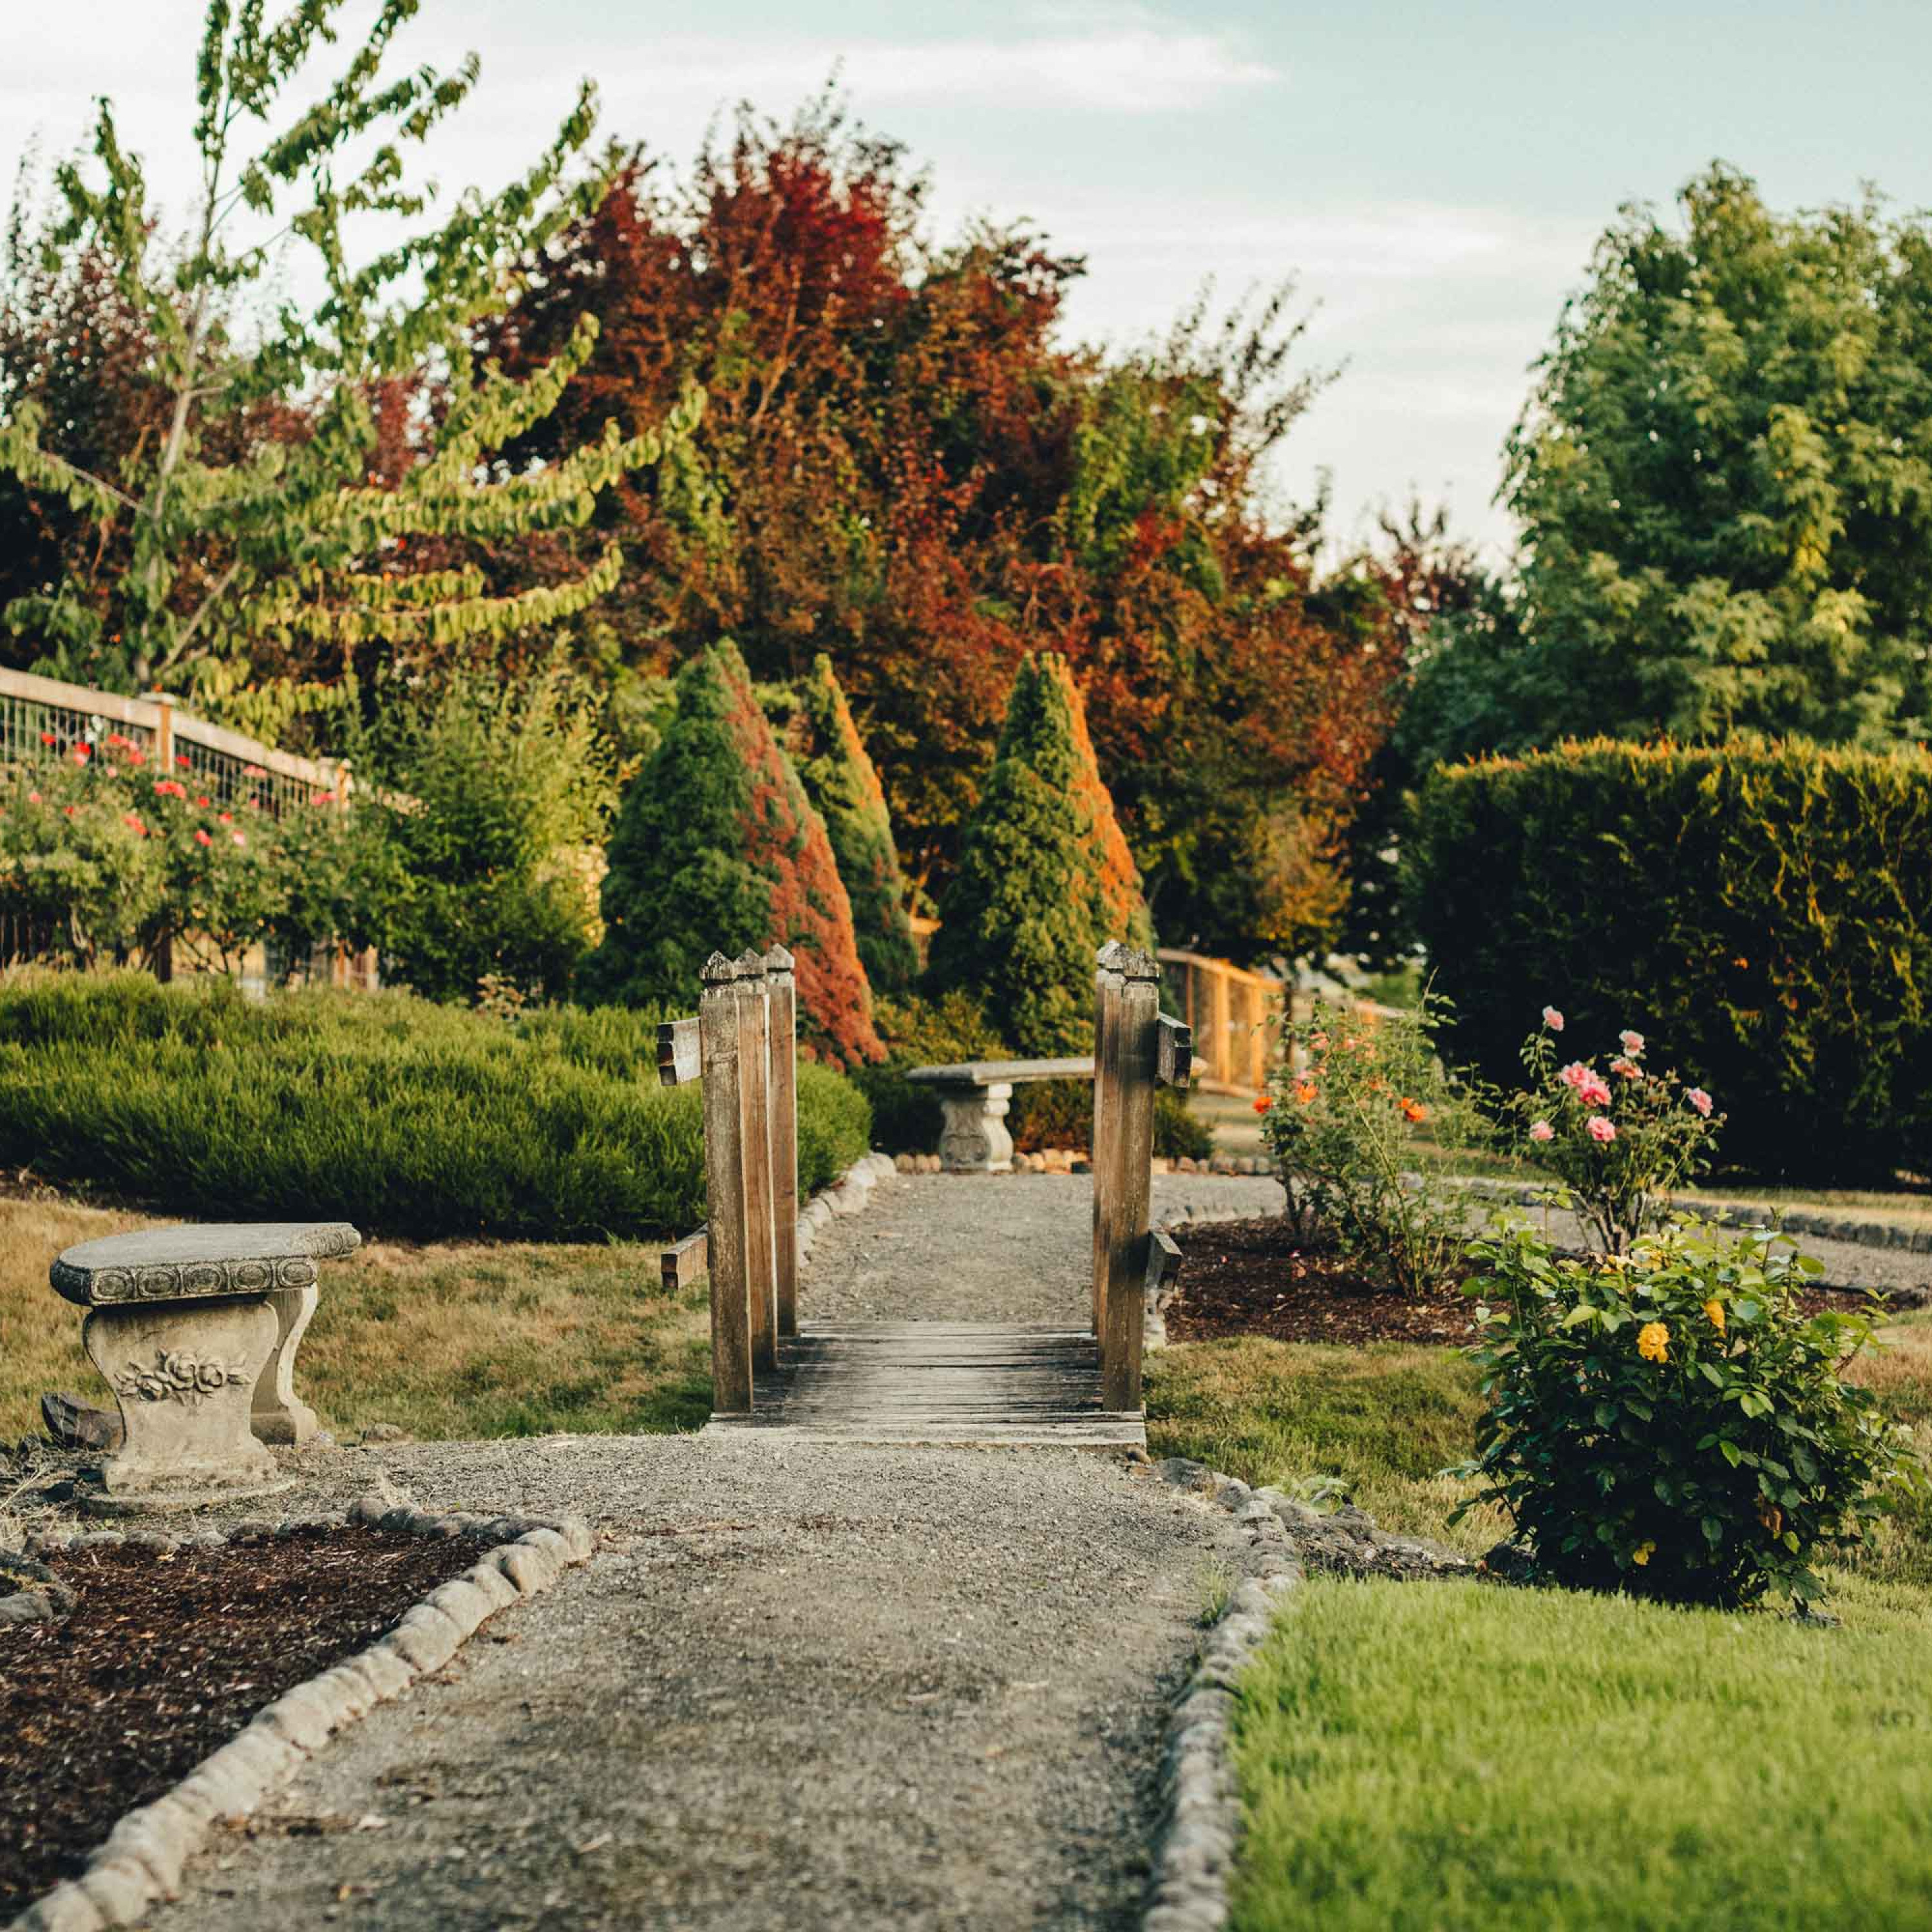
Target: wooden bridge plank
909	1382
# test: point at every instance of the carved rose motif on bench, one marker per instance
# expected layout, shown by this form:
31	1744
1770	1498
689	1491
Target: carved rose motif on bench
177	1376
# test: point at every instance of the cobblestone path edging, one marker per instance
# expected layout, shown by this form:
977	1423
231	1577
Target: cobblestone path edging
141	1859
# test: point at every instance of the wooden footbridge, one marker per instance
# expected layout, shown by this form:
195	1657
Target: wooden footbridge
775	1379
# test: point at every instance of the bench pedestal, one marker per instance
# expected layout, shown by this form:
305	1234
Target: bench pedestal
184	1376
974	1139
195	1329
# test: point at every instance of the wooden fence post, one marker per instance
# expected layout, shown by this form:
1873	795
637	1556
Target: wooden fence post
754	1082
718	1021
783	986
1107	984
1130	1162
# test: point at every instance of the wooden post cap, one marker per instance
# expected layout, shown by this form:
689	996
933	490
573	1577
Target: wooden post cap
1109	957
717	971
1135	964
751	964
778	961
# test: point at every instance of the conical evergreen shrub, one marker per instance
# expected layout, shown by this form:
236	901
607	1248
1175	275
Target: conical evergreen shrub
716	848
1045	876
842	782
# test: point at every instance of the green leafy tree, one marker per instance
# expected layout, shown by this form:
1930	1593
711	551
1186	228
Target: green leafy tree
1045	876
840	779
1724	478
217	555
718	849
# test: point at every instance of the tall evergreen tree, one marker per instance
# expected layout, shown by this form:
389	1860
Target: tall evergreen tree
1045	876
841	781
213	549
717	848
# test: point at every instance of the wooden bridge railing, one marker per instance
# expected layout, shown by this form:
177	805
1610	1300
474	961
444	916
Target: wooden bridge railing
743	1046
1136	1047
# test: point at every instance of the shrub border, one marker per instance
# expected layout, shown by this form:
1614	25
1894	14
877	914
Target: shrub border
141	1859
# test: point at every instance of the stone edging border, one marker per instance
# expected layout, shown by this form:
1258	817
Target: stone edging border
1201	1805
851	1192
141	1859
1738	1214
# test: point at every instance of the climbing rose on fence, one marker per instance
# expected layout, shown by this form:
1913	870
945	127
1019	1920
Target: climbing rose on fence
1619	1153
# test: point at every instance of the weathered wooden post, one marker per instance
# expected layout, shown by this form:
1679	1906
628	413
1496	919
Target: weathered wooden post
1107	989
783	1123
1130	1176
754	1075
718	1023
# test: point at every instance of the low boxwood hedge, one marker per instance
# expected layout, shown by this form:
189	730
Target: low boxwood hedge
406	1118
1762	912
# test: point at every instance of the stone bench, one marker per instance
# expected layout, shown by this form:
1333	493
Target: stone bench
195	1329
976	1095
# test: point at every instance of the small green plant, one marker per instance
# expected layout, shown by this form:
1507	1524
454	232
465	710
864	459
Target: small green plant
1672	1423
1360	1110
1619	1142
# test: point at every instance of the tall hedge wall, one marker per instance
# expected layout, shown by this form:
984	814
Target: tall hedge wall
1763	911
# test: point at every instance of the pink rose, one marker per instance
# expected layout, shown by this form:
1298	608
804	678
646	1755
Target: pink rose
1700	1100
240	838
1592	1091
1552	1019
1543	1131
1628	1068
1600	1129
201	837
1633	1042
1575	1074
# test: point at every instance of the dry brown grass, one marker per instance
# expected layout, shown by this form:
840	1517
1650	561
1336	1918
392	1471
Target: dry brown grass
446	1340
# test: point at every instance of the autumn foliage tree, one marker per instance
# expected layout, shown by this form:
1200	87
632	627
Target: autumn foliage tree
716	848
901	466
1045	877
823	744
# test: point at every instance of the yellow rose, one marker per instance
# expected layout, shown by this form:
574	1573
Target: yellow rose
1642	1553
1653	1341
1713	1310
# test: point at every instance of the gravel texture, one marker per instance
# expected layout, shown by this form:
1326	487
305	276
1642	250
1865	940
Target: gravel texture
807	1688
965	1247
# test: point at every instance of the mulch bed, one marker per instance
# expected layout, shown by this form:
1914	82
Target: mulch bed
164	1658
1254	1278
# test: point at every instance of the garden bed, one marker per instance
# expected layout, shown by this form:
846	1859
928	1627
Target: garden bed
163	1657
1259	1278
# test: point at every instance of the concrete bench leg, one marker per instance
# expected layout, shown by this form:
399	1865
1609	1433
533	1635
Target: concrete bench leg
279	1415
975	1140
184	1374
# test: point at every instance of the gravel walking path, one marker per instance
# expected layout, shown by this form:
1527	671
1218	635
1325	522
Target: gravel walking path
806	1688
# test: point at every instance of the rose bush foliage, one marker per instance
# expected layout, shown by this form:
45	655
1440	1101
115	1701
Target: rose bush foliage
1673	1422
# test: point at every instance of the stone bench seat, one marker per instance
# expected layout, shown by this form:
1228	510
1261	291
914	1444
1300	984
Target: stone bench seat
975	1094
195	1329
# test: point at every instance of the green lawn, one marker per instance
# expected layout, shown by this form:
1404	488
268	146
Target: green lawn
1462	1756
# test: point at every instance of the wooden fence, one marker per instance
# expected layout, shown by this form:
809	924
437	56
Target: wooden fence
742	1047
41	717
1236	1016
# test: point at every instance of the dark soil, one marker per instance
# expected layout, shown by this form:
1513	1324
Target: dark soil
164	1658
1254	1278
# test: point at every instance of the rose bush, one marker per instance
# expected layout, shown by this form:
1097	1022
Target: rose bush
1672	1422
1360	1111
1619	1141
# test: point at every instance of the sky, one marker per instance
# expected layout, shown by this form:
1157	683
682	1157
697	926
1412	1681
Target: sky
1431	175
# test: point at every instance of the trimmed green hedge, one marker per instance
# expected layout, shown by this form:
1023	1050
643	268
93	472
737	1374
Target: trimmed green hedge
1763	912
406	1118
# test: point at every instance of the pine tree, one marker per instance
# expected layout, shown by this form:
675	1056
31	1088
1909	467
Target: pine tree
1044	875
717	848
212	548
840	779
